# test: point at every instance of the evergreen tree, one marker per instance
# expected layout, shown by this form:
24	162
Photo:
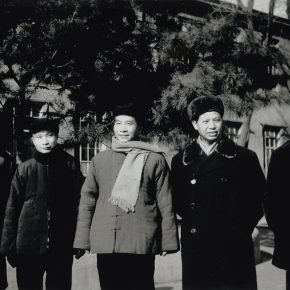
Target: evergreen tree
222	57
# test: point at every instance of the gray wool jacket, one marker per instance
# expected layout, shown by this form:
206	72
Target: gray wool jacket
105	228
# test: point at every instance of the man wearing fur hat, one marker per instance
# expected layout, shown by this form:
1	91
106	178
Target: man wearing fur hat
217	190
41	213
125	212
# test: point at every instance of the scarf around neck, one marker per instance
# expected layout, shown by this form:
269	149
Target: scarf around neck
126	188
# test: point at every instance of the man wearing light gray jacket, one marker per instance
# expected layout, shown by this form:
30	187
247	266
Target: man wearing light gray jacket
125	211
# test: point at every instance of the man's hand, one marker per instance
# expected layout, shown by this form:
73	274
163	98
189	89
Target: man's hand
78	253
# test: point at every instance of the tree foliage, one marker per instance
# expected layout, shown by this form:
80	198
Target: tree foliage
59	43
96	50
223	58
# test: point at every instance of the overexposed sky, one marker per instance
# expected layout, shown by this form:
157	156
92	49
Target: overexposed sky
263	5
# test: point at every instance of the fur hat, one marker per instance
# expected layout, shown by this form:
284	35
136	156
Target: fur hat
44	124
202	105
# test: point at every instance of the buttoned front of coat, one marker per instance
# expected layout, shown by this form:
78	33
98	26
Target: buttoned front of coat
105	228
219	198
42	207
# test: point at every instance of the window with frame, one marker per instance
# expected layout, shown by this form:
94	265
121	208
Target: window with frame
271	135
233	130
87	151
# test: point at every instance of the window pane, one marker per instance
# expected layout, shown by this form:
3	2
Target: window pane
92	153
270	143
84	153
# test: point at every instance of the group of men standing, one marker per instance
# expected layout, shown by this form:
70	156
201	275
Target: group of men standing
125	210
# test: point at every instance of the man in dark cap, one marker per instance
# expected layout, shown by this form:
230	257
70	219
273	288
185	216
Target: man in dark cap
217	190
41	213
125	212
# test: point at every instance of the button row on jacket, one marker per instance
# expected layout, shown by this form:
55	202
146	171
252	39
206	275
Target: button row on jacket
192	205
193	231
193	181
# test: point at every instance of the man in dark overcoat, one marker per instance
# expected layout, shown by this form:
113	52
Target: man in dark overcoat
5	178
217	189
41	213
277	206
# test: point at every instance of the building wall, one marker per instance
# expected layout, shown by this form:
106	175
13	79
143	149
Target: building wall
274	118
263	6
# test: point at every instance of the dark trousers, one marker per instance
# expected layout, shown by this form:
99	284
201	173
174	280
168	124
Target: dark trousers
126	271
3	274
200	275
31	268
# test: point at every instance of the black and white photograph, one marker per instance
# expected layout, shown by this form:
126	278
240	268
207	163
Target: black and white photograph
145	144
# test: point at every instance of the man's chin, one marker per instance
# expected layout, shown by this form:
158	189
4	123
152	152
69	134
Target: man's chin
124	140
45	151
212	139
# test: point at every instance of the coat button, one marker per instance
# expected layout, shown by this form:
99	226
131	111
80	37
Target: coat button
193	181
193	231
192	205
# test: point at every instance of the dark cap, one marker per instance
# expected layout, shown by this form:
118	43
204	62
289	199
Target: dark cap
44	124
203	105
129	109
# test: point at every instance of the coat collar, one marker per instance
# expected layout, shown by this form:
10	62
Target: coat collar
46	158
225	148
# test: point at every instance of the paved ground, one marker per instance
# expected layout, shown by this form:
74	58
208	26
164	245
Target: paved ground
168	270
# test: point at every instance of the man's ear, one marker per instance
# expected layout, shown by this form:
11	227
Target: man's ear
32	139
194	124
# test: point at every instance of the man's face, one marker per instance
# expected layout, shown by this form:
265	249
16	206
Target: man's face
125	128
209	126
44	141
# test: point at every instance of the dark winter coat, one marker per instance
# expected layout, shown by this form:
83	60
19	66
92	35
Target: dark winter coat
42	207
5	179
105	228
219	198
277	204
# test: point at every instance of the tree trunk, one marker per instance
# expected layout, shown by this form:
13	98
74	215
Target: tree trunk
245	131
76	127
250	17
270	20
